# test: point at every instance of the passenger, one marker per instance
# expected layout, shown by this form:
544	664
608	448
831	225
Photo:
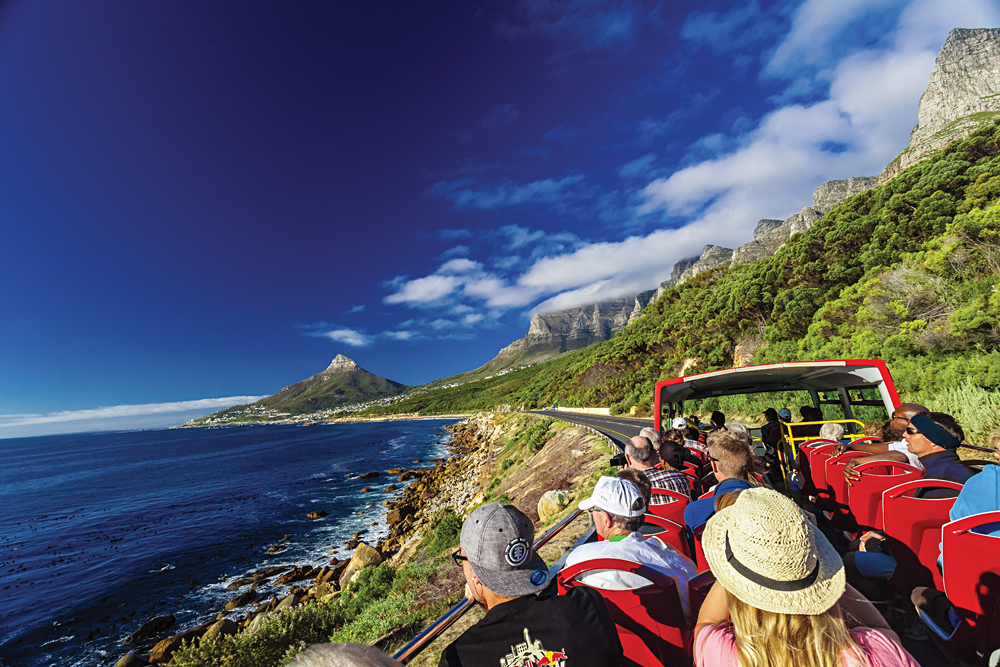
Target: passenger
781	585
343	655
731	463
503	573
893	447
742	431
640	455
718	422
809	414
934	438
692	441
980	494
652	435
616	508
777	435
771	415
925	451
679	423
640	480
833	431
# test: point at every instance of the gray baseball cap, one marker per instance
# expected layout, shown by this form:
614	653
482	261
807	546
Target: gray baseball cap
498	541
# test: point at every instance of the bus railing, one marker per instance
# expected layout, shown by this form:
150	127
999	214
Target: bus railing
446	620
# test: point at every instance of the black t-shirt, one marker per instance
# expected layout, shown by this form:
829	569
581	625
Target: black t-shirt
573	630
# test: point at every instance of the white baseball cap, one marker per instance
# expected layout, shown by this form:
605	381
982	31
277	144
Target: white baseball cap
617	496
680	422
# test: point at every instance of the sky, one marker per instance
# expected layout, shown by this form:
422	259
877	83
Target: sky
204	202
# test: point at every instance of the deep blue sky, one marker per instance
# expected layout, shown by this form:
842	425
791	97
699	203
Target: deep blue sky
202	200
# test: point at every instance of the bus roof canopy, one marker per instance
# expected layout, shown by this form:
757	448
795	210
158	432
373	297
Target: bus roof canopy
811	376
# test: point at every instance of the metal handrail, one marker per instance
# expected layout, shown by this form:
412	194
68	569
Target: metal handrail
446	620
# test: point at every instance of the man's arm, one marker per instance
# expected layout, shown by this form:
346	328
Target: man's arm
870	447
851	475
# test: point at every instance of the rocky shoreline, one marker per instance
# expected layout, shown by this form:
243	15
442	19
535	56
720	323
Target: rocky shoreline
423	492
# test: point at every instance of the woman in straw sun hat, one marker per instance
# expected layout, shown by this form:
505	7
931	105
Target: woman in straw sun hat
781	584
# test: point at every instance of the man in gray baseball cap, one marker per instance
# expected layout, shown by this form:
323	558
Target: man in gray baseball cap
525	621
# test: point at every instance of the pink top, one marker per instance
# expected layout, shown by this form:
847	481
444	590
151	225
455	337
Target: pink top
717	646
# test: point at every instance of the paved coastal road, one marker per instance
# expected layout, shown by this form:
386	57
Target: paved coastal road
618	428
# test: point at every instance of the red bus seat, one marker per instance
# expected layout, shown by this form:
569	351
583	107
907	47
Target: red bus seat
805	466
865	496
913	528
693	483
817	457
650	620
699	552
698	588
674	534
972	583
672	510
838	488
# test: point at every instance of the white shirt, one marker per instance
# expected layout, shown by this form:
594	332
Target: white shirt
911	458
636	549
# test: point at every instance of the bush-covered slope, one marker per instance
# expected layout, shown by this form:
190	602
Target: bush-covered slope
906	272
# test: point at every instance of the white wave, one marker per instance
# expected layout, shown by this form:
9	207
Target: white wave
60	640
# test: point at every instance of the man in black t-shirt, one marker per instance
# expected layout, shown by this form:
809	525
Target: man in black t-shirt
526	624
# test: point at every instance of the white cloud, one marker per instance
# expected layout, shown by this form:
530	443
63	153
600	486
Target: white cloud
425	291
400	335
467	194
356	309
123	411
350	337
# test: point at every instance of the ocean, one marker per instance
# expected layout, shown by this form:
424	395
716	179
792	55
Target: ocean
101	531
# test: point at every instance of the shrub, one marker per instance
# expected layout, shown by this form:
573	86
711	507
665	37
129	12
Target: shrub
270	644
374	583
446	531
378	618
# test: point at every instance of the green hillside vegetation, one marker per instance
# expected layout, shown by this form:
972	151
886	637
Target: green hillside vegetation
907	272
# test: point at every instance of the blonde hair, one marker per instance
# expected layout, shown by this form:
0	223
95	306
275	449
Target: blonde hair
831	431
994	441
724	500
768	639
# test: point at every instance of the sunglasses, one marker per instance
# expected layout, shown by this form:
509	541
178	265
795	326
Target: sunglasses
912	431
457	557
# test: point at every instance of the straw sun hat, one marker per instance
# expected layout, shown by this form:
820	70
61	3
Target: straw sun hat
764	551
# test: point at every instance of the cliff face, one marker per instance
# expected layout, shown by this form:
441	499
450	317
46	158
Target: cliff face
769	235
962	93
553	333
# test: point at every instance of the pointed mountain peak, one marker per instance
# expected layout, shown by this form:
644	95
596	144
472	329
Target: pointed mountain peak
342	364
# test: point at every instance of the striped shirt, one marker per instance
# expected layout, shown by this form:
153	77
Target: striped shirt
671	480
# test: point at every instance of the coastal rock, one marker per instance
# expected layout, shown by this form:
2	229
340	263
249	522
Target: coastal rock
317	514
164	650
408	475
297	574
277	548
131	660
258	620
390	488
551	503
241	600
397	515
364	556
262	575
239	583
221	628
369	475
394	471
332	572
291	600
366	489
153	626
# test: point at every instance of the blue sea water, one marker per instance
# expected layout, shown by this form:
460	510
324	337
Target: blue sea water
101	531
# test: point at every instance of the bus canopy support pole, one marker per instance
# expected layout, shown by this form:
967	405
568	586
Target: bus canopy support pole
845	402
